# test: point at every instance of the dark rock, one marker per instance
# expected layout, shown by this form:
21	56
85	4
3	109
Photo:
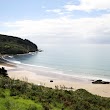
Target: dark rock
51	80
104	82
40	50
100	82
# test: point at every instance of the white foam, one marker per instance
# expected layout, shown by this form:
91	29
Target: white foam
10	56
59	72
63	73
17	62
12	61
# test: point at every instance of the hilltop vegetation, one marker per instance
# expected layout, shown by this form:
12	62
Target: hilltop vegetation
15	45
20	95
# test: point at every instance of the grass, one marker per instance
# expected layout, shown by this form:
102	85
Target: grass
19	95
8	102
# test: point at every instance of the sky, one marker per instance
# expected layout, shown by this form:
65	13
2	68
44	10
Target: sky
75	21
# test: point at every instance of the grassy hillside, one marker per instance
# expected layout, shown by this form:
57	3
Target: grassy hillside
15	45
19	95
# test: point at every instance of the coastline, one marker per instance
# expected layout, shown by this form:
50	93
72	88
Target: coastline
40	77
4	62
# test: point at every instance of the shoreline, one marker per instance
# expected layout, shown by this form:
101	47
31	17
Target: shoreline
43	78
78	77
6	62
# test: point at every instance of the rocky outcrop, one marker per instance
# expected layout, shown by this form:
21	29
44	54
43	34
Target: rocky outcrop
100	82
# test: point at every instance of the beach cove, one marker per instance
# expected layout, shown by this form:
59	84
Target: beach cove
43	78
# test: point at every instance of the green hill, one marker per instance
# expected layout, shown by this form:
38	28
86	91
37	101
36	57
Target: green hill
15	45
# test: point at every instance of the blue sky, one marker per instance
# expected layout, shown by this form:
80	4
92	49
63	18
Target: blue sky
84	21
12	10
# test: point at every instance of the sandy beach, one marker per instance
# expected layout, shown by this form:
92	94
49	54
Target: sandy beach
41	78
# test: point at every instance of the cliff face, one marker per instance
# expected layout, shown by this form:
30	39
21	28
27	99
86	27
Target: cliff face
15	45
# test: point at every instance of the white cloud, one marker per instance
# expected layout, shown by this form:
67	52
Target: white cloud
88	5
57	11
83	29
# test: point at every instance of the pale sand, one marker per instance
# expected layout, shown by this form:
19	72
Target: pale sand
32	77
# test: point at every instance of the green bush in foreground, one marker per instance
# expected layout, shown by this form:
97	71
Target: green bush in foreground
19	95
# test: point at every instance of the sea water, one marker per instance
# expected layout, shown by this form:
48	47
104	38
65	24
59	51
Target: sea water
90	61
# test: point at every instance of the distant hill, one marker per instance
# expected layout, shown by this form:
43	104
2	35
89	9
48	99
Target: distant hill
15	45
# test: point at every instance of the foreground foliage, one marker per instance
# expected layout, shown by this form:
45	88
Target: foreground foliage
3	72
19	95
15	45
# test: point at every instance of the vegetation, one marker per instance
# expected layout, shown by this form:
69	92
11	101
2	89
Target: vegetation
3	72
15	45
19	95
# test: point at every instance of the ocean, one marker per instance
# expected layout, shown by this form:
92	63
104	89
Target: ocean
88	61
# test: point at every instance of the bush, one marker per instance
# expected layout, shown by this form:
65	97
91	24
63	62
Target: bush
51	98
32	107
3	72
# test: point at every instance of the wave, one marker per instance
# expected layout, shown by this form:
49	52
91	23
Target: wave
16	62
10	56
8	59
12	59
30	53
63	73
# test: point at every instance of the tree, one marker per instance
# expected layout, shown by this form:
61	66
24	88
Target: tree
3	72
